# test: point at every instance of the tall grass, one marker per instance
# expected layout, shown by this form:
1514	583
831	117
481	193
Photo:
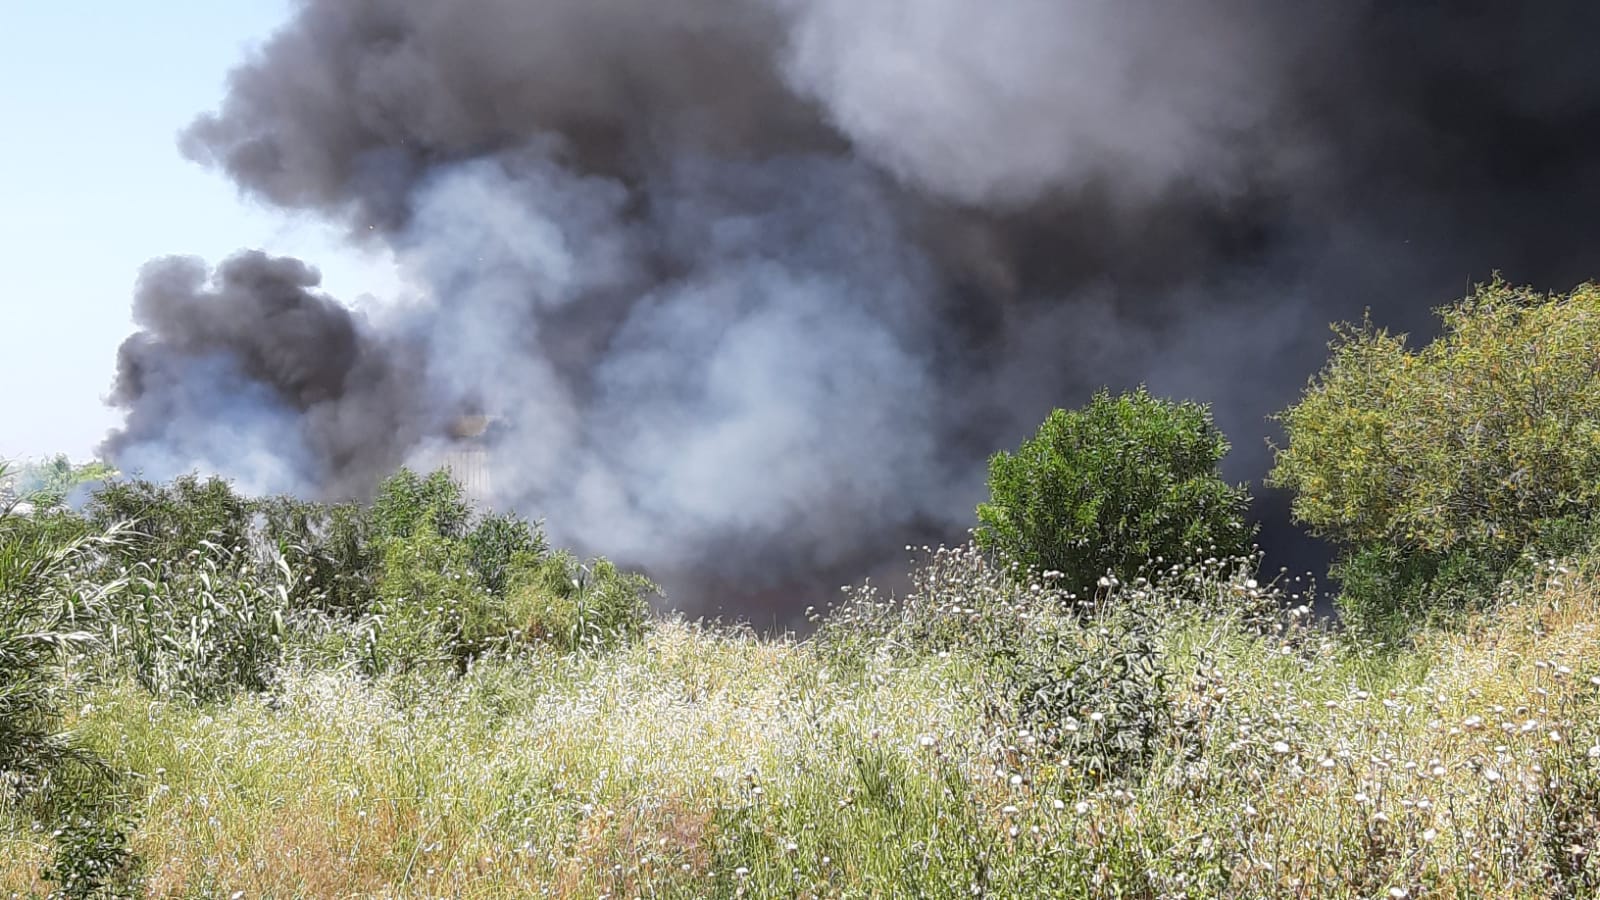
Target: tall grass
705	761
42	604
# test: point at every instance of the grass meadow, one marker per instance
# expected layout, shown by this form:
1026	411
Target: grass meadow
707	761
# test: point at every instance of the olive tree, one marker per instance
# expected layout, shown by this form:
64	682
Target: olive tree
1434	469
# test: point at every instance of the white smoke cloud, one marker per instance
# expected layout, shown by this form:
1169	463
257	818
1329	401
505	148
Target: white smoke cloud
996	103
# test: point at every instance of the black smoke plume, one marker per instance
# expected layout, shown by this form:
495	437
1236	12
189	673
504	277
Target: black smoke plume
754	286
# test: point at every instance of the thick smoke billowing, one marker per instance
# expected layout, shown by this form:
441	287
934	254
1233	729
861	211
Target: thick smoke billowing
754	286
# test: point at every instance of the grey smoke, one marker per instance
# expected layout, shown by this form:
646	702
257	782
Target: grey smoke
995	104
249	371
755	286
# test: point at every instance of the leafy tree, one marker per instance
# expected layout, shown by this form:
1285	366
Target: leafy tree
430	610
574	605
408	503
498	545
1438	468
1113	486
451	587
331	547
205	626
173	519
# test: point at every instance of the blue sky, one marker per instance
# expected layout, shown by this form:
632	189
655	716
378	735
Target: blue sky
92	185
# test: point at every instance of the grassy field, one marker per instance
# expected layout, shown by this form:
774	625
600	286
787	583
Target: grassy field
705	761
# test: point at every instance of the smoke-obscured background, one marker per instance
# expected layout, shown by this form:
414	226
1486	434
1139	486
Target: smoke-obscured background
753	287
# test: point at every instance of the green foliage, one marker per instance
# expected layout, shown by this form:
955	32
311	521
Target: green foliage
92	859
1098	693
1083	676
579	606
1088	678
408	503
1389	590
172	519
331	548
1386	591
48	483
500	544
1117	486
43	595
203	626
430	608
1570	810
1438	469
220	589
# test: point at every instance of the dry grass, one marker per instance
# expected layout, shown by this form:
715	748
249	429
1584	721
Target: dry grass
704	763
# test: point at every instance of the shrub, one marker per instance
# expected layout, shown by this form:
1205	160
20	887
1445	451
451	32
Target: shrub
206	625
332	548
1086	677
501	544
430	609
1099	693
579	606
1121	483
408	503
92	859
1437	469
48	484
172	519
42	598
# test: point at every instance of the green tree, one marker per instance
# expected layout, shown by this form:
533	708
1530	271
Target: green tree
173	519
1112	487
331	547
1436	469
575	605
408	503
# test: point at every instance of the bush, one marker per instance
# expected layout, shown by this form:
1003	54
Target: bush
1387	591
430	609
408	503
1123	483
172	519
1437	470
206	625
339	550
1096	690
332	548
1085	677
433	609
579	606
451	588
221	587
43	596
92	859
501	544
48	484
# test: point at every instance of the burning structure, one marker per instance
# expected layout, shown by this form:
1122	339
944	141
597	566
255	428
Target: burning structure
759	284
468	457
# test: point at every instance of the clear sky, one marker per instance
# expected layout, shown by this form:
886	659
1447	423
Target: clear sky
92	96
